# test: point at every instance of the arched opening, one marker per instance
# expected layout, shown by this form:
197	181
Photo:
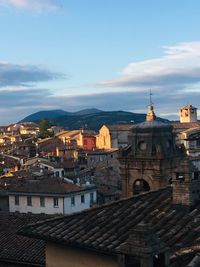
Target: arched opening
140	186
142	145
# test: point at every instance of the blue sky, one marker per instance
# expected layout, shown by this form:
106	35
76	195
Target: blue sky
76	54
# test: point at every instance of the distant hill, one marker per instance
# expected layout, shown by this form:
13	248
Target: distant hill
46	114
88	119
87	112
52	114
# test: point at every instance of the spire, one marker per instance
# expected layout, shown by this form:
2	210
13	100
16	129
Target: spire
150	98
150	114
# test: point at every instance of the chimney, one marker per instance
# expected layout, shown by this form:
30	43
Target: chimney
186	184
143	248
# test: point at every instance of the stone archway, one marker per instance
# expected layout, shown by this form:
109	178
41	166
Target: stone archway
140	186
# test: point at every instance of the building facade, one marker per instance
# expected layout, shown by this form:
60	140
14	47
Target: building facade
152	157
51	197
188	114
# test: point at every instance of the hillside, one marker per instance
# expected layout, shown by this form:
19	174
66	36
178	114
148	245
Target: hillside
52	114
92	121
45	114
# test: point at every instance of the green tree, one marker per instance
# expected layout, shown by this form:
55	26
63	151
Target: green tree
44	126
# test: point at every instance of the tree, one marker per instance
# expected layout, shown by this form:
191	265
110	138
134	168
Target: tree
44	126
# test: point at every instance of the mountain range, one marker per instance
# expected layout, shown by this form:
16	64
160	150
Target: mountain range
88	118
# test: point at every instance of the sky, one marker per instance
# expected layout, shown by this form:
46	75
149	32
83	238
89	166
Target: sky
105	54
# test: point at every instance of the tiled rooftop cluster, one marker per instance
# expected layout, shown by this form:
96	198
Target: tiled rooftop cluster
107	227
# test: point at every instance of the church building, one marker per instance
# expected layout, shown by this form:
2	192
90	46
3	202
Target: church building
152	159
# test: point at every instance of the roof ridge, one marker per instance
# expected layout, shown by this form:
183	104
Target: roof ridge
94	208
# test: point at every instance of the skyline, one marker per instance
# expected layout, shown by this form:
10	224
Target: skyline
72	55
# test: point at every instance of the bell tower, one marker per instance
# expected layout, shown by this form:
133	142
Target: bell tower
149	161
188	114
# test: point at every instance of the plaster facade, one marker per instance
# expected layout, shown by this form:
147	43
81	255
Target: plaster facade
62	256
66	204
103	140
188	114
35	207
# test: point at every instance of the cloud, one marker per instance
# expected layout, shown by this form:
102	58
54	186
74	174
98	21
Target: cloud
32	5
179	68
174	79
24	102
19	75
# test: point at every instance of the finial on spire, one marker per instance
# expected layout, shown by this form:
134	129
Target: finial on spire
150	114
150	95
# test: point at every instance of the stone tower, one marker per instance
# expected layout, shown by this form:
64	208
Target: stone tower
188	114
150	160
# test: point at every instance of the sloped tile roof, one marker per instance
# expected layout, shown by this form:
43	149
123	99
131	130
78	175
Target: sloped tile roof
46	186
107	227
185	125
19	249
120	127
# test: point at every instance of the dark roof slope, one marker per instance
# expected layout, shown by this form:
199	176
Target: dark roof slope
107	227
120	127
185	125
46	186
19	249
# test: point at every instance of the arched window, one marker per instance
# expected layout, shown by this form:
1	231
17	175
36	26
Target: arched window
140	186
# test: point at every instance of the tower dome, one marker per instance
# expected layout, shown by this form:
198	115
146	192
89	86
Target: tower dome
152	138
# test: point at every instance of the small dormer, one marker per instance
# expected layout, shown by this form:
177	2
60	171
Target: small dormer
188	114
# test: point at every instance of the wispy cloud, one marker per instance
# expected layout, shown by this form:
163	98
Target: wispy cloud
178	68
19	75
32	5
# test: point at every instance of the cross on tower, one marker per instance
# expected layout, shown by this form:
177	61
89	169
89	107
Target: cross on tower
150	95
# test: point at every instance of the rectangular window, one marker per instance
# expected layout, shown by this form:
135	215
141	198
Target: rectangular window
82	198
55	202
198	142
72	201
85	142
91	198
16	200
29	200
42	202
195	175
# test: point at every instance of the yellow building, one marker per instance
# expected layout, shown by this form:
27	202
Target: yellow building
76	135
103	140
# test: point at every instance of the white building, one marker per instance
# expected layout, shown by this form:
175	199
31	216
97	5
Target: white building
52	196
191	140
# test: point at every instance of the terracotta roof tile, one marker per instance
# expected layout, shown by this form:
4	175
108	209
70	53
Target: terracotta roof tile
46	186
106	227
120	127
186	125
